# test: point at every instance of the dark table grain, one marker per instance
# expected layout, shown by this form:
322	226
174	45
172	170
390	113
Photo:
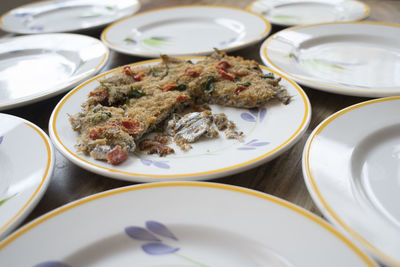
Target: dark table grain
281	177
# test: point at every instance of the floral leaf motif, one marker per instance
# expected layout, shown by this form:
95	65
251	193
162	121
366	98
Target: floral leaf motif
246	148
161	165
158	249
23	15
130	40
160	229
4	200
247	117
52	264
1	139
260	144
263	112
140	233
252	145
36	28
146	162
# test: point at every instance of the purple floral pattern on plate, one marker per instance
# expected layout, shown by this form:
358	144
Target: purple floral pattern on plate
23	14
254	114
52	264
253	144
226	43
36	28
152	235
155	246
158	164
1	139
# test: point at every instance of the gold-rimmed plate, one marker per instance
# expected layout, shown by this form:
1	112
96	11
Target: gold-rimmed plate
351	58
181	224
186	31
268	132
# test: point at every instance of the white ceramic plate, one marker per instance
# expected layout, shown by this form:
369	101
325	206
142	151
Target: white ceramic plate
26	164
181	224
354	58
351	165
299	12
268	132
36	67
186	30
66	15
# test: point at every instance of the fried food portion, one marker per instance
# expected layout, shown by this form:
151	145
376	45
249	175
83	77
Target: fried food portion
133	101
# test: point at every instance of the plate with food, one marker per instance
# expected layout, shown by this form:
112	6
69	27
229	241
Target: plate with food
300	12
66	15
26	164
190	30
350	165
180	119
36	67
221	225
350	58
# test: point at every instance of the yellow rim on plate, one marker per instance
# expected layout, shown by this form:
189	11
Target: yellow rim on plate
250	192
311	180
305	119
300	79
363	16
258	38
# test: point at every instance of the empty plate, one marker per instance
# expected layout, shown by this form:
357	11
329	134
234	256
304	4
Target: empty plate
26	164
36	67
181	224
351	165
298	12
353	58
186	30
66	15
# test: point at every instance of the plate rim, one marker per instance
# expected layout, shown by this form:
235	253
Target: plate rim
320	85
150	54
365	15
230	188
204	175
316	194
30	99
40	190
10	30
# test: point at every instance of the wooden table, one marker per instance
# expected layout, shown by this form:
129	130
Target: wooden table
281	177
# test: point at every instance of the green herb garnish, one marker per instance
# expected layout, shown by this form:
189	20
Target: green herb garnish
246	84
181	87
153	73
208	85
135	93
105	86
269	75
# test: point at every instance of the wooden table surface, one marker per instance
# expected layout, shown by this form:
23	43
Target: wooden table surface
281	177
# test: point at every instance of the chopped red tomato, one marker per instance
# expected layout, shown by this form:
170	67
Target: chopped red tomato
131	126
116	156
192	72
99	94
226	75
169	87
128	71
223	65
181	97
239	89
94	133
137	76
